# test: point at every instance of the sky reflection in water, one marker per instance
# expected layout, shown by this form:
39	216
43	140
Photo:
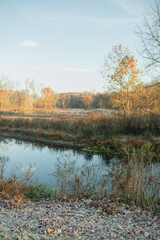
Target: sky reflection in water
43	159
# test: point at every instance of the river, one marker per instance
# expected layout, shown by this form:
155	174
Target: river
43	160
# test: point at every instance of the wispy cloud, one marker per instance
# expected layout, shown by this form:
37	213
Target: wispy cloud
51	68
66	18
131	7
77	70
29	43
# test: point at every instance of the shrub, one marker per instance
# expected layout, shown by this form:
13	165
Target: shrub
38	192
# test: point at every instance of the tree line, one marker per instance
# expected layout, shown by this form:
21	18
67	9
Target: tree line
128	97
30	98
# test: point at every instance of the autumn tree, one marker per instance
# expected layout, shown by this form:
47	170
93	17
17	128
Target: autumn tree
122	76
3	98
101	100
27	104
64	100
47	98
32	89
150	100
4	92
87	99
76	100
21	100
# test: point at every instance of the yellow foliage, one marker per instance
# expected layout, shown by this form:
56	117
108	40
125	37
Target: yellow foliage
47	98
123	78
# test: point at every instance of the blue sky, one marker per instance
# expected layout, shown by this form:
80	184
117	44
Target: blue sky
62	43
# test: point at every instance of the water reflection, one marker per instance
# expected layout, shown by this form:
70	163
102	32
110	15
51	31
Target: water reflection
43	159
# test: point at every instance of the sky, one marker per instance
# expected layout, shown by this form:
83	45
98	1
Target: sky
63	43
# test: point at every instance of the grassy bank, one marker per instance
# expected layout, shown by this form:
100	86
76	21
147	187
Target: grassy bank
96	132
92	125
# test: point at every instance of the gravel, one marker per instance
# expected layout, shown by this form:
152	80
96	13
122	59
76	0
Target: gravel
80	219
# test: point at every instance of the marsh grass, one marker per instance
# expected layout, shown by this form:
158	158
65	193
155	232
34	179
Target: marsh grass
137	179
86	180
11	187
92	125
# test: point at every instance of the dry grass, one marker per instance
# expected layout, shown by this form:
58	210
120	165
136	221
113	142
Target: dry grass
86	128
12	186
83	181
136	180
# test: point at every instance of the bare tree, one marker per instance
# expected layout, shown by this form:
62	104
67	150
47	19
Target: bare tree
149	34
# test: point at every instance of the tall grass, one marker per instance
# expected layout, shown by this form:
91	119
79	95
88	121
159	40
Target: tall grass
11	187
138	178
86	180
94	124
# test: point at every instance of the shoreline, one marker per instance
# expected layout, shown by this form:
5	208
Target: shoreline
110	146
47	142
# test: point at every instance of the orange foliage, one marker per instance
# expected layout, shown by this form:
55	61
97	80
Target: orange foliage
47	98
87	99
123	78
3	98
65	100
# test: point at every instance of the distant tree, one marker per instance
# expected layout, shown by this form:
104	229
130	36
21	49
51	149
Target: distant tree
4	96
87	99
47	98
102	100
32	89
21	101
27	103
149	34
64	100
150	100
4	83
122	76
76	101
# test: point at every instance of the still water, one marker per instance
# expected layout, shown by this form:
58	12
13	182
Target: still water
43	160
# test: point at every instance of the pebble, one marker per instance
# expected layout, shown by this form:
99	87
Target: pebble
83	219
146	234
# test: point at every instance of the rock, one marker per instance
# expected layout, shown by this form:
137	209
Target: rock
126	211
58	232
146	234
119	227
49	230
137	233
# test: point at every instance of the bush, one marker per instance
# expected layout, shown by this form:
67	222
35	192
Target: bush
38	192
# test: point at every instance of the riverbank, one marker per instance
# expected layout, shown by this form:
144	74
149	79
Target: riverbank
73	175
16	134
95	131
83	219
114	146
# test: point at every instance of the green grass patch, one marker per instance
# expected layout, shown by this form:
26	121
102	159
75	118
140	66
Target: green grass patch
38	192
